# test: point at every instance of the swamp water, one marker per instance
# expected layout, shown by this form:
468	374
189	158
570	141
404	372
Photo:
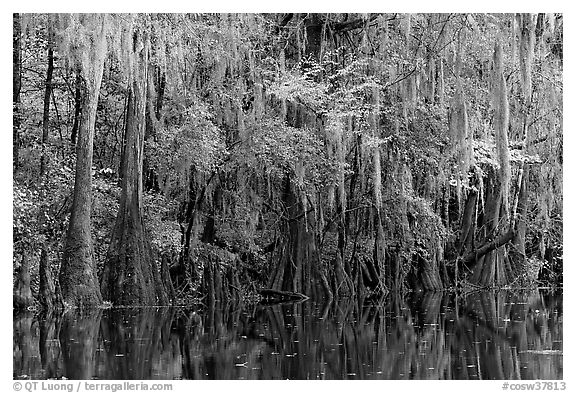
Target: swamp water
483	335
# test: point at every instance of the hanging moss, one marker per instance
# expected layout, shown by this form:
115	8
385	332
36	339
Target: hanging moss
441	83
501	122
406	27
377	166
460	137
526	50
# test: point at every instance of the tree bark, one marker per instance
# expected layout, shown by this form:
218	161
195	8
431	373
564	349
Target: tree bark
77	108
165	276
122	164
47	296
429	274
468	226
487	266
22	298
490	245
519	260
130	275
379	254
284	276
78	281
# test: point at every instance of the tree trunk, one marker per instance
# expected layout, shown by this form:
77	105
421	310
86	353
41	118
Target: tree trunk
284	276
77	108
46	114
490	269
520	207
429	274
47	296
379	254
156	87
473	257
167	257
22	298
122	164
501	123
519	260
208	283
186	268
16	84
485	268
314	26
78	281
297	249
130	275
494	267
468	225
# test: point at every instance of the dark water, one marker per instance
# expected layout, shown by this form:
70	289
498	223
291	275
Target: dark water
485	335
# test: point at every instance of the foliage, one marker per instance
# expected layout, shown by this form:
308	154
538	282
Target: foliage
400	103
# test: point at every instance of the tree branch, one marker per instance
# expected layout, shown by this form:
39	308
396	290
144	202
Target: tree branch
519	145
472	257
287	18
341	27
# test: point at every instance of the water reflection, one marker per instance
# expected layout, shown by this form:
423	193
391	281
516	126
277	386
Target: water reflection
485	335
